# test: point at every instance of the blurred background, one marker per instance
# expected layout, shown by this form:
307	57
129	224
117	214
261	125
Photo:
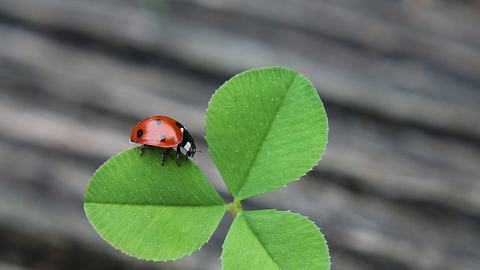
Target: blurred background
399	185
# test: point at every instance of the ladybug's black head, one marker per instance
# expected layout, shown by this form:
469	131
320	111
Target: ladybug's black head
188	144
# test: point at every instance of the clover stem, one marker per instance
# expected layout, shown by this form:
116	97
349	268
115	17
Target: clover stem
235	207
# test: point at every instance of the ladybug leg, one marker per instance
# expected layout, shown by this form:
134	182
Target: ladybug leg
177	155
164	155
142	148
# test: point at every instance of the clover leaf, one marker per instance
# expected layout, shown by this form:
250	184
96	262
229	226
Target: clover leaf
272	240
264	128
151	211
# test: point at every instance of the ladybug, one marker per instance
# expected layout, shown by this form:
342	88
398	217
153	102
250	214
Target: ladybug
165	132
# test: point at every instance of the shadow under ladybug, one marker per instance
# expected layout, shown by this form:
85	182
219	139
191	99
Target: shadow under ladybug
164	132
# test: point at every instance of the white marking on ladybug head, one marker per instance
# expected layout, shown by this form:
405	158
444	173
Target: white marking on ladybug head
182	129
187	146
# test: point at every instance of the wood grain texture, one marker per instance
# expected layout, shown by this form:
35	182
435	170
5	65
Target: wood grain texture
397	189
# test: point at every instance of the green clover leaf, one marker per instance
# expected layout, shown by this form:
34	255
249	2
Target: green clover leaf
151	211
265	127
274	240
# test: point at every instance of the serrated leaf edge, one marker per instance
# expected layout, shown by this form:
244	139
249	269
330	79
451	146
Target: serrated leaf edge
278	211
153	259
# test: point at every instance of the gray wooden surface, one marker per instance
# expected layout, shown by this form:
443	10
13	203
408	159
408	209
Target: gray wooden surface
400	182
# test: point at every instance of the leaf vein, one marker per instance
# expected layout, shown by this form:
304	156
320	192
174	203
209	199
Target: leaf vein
261	243
266	135
153	205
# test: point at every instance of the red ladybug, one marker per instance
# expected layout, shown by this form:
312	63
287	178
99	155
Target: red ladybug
165	132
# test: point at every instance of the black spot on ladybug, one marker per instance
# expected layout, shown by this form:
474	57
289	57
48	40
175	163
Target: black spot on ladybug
158	122
163	138
139	133
179	125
